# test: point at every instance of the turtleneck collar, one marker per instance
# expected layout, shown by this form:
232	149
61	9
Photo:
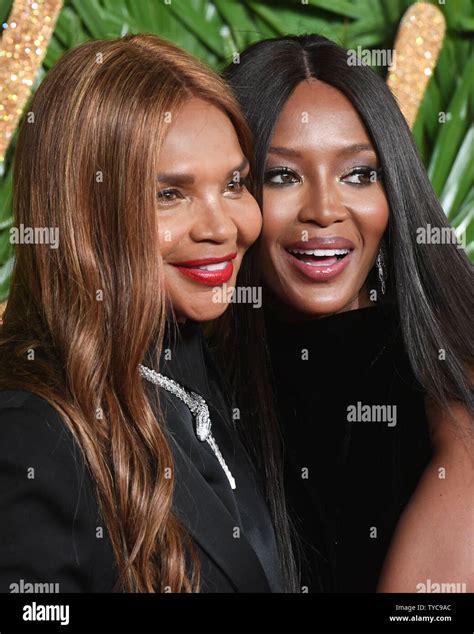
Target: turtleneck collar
339	342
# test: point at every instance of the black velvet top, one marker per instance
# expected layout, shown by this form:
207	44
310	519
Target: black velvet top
356	440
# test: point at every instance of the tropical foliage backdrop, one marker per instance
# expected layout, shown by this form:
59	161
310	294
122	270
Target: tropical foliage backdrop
214	30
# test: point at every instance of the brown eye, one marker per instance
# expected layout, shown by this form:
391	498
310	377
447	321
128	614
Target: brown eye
237	185
168	196
362	176
281	176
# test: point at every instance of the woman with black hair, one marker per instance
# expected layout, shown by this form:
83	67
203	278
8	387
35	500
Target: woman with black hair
369	326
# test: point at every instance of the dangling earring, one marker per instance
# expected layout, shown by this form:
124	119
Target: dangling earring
381	268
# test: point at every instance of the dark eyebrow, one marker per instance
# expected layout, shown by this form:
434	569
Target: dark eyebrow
285	151
356	148
350	149
188	179
176	179
243	165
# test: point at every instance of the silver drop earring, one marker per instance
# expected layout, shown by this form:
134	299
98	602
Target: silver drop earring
381	268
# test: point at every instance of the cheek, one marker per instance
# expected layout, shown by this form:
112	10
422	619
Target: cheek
279	217
171	231
248	220
371	217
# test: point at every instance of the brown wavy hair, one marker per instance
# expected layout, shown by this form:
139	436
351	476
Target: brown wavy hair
89	311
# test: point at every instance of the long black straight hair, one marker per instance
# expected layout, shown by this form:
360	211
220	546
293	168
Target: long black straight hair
432	287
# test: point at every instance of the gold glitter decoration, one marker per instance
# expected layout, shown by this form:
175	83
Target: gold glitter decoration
24	42
417	46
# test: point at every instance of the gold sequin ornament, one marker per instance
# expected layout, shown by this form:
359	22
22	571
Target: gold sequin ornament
25	39
417	47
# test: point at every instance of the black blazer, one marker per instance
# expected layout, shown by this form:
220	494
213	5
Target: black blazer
51	530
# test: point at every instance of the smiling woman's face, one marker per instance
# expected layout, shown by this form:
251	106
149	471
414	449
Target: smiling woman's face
324	206
207	217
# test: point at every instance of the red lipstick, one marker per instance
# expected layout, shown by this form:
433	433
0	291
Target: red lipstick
209	271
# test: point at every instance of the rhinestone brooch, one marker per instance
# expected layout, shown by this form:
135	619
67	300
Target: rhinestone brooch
198	408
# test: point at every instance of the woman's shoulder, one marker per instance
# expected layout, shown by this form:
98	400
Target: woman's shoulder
36	443
24	402
32	426
51	529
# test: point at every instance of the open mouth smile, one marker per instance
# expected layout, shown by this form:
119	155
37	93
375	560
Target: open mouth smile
208	271
322	261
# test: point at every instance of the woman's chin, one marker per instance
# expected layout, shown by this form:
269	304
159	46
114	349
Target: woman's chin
203	313
301	307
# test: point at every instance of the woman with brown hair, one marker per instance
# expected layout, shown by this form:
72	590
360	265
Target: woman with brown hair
120	464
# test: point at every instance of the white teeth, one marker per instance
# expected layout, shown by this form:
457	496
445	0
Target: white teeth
214	267
321	252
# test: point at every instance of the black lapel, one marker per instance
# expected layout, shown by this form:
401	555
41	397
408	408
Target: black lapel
209	522
208	519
